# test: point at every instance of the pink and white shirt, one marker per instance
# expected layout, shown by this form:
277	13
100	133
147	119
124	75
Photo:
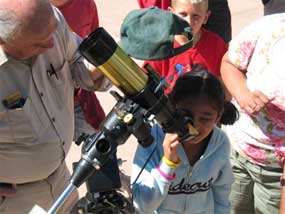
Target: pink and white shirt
259	50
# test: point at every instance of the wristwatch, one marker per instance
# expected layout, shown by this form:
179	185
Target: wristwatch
282	180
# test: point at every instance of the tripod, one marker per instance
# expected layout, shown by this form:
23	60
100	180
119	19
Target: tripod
104	194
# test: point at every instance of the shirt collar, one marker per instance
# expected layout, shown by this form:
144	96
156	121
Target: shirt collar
4	58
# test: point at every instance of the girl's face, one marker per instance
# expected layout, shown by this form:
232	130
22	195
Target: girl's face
195	14
205	116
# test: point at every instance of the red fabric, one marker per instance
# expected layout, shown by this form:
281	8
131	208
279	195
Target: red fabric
82	17
208	52
93	111
163	4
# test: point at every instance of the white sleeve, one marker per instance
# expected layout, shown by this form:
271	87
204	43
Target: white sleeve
79	66
151	188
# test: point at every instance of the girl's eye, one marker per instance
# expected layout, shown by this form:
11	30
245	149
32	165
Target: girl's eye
205	119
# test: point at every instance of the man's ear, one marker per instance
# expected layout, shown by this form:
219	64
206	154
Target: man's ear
207	17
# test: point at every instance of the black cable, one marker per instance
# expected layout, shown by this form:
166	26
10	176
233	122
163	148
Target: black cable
146	162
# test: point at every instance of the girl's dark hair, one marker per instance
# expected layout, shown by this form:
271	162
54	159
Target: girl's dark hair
199	82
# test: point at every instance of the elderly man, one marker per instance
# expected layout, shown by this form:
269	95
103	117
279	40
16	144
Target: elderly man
39	68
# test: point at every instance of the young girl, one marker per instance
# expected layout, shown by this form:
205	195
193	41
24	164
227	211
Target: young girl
193	176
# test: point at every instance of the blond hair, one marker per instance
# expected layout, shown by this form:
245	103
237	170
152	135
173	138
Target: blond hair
191	1
197	1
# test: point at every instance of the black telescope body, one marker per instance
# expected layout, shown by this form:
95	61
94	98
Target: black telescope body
145	89
125	118
143	96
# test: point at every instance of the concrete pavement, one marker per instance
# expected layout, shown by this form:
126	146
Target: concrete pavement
111	15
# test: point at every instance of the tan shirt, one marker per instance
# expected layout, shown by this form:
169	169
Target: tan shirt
35	137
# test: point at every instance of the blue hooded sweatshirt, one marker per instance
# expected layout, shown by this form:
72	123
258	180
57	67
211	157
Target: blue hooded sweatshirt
200	189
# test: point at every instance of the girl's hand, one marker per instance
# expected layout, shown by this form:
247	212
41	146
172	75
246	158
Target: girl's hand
170	146
252	102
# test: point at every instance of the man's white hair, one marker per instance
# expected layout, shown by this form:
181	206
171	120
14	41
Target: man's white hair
17	16
9	24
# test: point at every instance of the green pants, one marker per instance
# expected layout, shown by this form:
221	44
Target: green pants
256	189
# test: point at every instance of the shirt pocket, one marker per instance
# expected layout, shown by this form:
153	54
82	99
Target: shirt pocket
62	86
57	73
20	125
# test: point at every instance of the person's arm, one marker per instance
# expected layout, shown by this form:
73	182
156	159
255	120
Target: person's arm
282	200
85	75
235	81
151	188
233	78
100	82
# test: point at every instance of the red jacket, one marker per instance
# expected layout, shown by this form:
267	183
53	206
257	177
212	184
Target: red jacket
208	52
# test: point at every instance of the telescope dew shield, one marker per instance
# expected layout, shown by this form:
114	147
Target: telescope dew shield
100	49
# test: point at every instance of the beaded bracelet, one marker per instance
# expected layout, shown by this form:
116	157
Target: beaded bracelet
170	163
166	176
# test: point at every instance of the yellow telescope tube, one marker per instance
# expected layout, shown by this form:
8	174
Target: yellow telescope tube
100	49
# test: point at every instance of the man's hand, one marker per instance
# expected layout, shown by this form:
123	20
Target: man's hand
100	81
170	146
252	102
